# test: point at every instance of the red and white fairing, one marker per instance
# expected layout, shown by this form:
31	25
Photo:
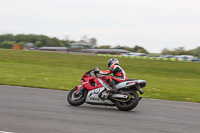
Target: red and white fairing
94	91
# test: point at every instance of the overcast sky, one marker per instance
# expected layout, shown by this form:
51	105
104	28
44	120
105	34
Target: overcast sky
153	24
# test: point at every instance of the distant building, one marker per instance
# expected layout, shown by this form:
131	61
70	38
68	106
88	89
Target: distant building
78	46
106	51
28	46
16	46
54	49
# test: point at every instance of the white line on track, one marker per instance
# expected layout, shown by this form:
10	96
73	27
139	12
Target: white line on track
5	132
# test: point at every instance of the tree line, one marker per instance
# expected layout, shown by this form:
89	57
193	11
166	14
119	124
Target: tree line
182	51
136	48
7	40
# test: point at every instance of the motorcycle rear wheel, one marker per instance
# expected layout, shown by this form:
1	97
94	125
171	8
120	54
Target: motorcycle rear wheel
131	104
76	100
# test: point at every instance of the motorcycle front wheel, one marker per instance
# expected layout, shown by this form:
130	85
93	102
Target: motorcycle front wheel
129	105
76	99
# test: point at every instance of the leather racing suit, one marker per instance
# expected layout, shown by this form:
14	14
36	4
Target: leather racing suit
118	75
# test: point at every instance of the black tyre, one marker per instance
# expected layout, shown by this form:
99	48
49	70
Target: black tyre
131	104
76	100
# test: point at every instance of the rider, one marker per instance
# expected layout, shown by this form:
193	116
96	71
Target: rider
118	73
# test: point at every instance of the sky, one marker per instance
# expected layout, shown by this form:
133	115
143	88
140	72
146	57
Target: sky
152	24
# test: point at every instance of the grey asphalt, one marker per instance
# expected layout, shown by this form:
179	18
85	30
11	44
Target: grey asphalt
33	110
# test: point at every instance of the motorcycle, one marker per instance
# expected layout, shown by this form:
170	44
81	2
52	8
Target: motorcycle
94	91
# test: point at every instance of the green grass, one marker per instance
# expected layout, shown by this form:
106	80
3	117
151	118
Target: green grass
166	79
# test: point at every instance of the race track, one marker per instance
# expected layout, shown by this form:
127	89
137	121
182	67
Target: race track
32	110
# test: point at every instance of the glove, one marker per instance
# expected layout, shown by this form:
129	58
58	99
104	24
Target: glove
96	71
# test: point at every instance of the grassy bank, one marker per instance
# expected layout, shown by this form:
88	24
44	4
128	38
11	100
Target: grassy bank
166	79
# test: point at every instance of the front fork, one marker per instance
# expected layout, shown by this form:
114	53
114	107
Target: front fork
79	90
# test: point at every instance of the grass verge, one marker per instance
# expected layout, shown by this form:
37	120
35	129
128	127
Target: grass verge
166	80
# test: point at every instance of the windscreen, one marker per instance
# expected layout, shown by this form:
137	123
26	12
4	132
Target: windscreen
90	73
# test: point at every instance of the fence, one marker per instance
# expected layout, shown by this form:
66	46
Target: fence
141	57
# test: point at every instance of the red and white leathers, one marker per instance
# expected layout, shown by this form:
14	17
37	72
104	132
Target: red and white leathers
119	75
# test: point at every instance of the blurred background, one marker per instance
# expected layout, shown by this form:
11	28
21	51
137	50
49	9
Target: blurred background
51	44
152	24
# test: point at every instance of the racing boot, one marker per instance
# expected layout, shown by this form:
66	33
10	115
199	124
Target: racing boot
113	87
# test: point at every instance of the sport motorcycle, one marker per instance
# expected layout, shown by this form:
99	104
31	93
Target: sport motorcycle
95	90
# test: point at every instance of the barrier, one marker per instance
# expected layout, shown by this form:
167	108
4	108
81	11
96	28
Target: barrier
141	57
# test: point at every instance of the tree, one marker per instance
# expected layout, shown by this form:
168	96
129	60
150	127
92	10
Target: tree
22	43
61	44
93	41
166	51
143	51
179	51
119	47
38	44
84	38
139	49
37	40
197	52
105	47
128	48
7	44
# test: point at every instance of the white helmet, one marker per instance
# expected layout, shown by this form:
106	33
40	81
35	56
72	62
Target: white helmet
112	61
